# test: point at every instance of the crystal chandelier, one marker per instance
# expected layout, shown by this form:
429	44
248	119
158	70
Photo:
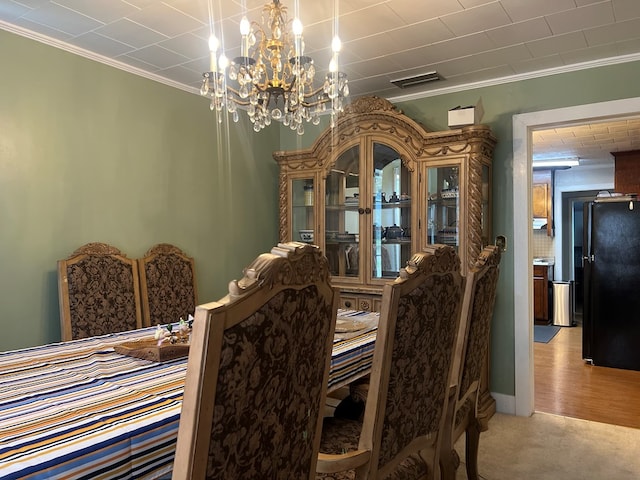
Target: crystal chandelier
273	79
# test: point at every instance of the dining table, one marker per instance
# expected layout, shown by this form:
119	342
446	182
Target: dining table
81	410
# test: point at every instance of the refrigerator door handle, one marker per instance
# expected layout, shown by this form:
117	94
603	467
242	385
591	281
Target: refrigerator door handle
588	258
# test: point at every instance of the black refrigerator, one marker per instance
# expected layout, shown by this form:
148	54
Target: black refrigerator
611	260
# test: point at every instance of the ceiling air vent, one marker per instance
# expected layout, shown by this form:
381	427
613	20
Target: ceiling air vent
416	80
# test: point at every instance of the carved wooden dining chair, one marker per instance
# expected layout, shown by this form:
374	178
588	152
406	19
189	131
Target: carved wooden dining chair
167	285
400	434
98	291
257	372
472	351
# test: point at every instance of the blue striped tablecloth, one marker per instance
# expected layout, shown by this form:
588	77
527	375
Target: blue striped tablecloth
79	410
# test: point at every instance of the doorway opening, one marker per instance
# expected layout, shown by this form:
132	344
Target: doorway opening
523	126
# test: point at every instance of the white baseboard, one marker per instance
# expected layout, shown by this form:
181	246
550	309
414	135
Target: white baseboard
505	403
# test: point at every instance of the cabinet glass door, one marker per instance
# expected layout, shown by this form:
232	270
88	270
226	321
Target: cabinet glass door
342	227
391	213
443	205
302	212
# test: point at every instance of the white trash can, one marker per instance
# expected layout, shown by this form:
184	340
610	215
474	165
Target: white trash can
563	304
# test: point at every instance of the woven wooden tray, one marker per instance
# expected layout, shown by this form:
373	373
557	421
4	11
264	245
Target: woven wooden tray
149	350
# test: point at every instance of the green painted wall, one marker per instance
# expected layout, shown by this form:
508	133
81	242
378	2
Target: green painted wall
500	103
89	153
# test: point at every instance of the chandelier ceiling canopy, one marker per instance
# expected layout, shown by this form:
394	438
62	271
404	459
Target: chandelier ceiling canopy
273	79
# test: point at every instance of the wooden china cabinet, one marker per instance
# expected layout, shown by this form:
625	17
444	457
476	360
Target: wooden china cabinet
378	187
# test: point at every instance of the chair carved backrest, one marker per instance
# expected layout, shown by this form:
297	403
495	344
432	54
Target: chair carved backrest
257	372
472	352
98	292
411	370
167	285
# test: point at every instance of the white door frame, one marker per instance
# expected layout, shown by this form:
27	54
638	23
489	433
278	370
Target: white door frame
523	126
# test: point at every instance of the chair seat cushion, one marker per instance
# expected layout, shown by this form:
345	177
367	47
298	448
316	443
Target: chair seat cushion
341	435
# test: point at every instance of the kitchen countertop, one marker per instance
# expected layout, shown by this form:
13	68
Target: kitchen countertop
548	261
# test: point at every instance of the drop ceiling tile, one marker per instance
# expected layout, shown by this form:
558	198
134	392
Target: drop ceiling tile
470	21
141	3
107	47
503	56
411	12
372	69
34	3
131	33
624	9
134	62
557	44
474	3
537	64
199	9
412	72
10	10
379	18
165	20
519	10
459	47
64	19
458	66
41	29
349	6
501	71
378	45
159	57
104	11
520	32
581	18
612	33
188	45
199	65
426	33
589	54
183	75
629	47
375	84
319	35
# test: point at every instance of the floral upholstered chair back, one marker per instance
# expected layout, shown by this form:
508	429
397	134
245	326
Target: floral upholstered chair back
413	380
404	415
167	285
258	370
482	282
98	292
486	272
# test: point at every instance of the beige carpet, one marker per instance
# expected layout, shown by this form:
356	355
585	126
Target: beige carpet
550	447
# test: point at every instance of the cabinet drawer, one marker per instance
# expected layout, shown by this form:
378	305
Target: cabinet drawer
367	303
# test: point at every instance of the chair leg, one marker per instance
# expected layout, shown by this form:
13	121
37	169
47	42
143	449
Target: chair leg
449	463
448	455
472	445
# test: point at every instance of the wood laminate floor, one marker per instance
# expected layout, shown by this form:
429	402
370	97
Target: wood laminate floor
566	385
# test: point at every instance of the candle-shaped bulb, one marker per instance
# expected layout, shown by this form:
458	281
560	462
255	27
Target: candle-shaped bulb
336	44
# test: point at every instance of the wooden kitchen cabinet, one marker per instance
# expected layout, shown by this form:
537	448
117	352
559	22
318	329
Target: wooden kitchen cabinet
378	187
541	294
627	171
542	201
